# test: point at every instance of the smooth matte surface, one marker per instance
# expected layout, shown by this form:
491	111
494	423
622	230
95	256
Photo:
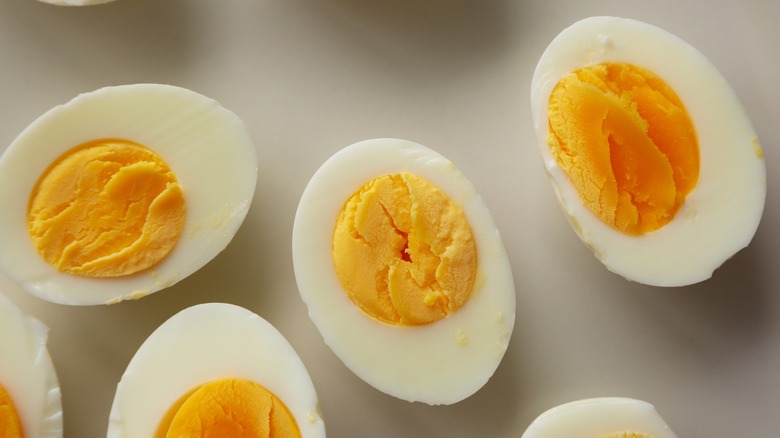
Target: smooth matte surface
312	76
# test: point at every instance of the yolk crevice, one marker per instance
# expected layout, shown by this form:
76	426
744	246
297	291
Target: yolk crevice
106	208
403	251
10	424
229	408
626	142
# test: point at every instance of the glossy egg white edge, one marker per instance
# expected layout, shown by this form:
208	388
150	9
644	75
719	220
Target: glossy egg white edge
27	372
421	363
721	215
599	417
75	2
203	343
208	148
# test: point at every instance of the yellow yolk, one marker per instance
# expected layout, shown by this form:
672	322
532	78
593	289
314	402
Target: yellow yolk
627	144
106	208
233	408
403	251
10	425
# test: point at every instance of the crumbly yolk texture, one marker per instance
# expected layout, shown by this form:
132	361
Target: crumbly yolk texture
627	144
403	251
229	408
10	425
106	208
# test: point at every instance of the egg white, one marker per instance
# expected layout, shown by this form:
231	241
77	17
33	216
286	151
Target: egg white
27	372
75	2
599	417
208	148
439	363
721	214
201	344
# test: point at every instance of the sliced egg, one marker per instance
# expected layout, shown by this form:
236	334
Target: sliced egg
75	2
211	370
609	417
652	157
403	271
122	192
30	403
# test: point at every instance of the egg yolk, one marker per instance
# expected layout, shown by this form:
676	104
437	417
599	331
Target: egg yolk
106	208
234	408
403	251
10	425
626	142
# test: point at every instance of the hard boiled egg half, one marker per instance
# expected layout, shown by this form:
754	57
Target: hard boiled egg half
403	271
75	2
30	403
651	154
215	370
122	192
609	417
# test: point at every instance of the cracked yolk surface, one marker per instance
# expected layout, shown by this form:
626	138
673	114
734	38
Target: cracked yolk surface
626	142
229	408
106	208
10	425
403	251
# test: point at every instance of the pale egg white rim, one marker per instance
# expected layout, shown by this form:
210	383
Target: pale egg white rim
721	215
203	343
75	2
599	417
34	387
425	363
208	147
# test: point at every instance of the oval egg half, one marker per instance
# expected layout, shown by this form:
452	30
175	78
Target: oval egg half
663	186
210	369
409	350
75	2
85	167
29	390
608	417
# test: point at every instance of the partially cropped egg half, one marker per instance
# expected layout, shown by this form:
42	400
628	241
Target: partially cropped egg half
122	192
30	403
215	370
609	417
403	271
651	154
75	2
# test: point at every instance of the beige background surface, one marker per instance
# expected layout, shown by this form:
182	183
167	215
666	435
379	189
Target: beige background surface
312	76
